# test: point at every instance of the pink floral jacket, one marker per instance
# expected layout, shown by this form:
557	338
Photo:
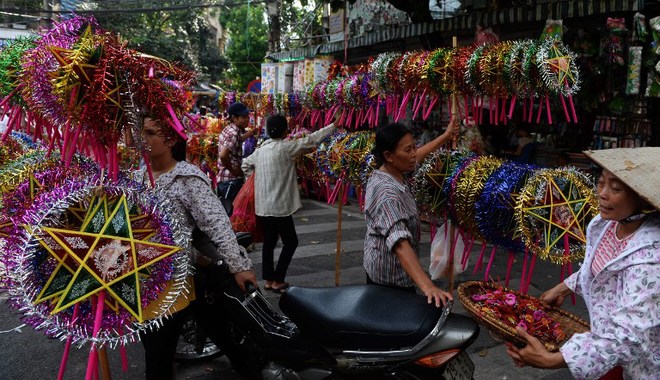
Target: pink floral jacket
623	307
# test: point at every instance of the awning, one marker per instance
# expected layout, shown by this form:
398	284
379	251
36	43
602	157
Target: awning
468	22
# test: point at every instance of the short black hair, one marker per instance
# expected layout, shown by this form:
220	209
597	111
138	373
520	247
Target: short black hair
387	138
276	126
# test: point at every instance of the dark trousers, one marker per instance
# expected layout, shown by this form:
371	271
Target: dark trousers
160	346
227	191
273	228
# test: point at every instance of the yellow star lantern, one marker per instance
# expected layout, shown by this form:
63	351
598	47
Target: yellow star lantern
6	224
553	211
105	254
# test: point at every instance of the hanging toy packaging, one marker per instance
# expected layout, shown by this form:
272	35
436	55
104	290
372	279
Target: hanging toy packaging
653	82
553	29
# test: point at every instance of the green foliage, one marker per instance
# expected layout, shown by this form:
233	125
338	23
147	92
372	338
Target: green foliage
299	23
247	45
178	36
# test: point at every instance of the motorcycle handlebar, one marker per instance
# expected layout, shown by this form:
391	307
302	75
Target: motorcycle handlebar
250	288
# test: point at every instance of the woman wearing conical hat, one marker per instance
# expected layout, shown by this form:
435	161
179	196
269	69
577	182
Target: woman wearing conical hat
619	278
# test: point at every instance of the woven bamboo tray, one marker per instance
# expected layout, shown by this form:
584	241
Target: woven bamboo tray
570	323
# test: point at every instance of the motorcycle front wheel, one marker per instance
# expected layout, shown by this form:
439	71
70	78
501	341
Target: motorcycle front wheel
194	344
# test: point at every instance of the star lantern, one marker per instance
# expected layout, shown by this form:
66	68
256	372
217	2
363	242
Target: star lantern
104	255
553	211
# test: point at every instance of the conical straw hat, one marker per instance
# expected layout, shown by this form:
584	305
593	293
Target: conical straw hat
639	168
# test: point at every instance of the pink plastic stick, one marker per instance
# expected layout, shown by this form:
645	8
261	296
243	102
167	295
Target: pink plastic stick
529	274
490	262
531	109
467	108
67	346
466	253
403	106
333	194
422	100
570	101
509	265
177	123
512	105
570	272
415	99
563	106
538	115
480	260
344	197
6	98
98	318
524	269
124	358
503	111
377	111
431	106
547	109
65	141
72	148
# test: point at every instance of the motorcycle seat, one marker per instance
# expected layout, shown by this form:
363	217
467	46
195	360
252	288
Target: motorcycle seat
365	317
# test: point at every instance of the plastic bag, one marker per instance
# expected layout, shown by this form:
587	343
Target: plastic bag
244	218
440	252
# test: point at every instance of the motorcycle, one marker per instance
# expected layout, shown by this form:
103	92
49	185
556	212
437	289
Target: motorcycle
348	332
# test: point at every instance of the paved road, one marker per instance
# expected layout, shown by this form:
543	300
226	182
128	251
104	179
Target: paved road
27	354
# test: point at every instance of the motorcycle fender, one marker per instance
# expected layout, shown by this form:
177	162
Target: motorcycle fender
458	331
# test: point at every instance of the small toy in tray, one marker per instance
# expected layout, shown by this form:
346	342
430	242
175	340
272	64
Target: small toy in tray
501	310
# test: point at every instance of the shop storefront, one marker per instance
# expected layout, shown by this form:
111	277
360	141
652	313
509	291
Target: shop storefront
617	102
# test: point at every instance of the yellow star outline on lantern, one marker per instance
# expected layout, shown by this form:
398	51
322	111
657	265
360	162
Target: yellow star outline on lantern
563	203
94	253
34	187
4	226
75	70
92	217
561	64
99	211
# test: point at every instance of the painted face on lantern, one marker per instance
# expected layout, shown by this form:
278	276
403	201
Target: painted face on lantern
404	157
616	201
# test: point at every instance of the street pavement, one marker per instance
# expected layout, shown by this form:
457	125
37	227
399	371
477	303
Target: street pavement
28	354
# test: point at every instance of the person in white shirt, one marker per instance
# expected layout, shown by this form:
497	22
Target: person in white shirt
276	195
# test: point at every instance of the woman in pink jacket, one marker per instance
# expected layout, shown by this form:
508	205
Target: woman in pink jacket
619	278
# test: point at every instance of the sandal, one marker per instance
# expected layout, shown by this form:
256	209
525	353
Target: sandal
280	289
268	287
